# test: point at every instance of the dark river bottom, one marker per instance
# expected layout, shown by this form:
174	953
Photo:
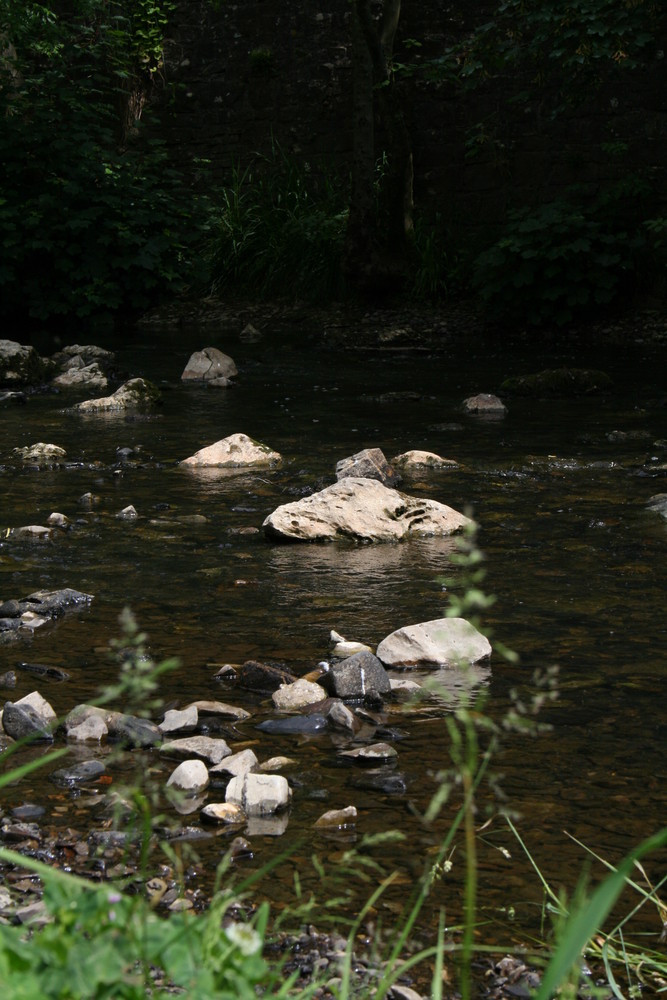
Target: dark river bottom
573	557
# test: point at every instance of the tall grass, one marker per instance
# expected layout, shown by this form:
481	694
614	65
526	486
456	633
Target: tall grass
279	232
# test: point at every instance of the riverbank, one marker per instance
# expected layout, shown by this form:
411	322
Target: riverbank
404	327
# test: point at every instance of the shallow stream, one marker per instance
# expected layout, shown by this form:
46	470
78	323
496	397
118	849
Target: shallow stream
574	558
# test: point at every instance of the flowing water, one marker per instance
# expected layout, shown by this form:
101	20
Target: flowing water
574	558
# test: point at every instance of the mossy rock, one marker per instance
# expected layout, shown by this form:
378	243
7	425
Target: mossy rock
563	382
22	365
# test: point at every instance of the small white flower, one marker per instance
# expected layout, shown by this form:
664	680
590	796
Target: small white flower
245	937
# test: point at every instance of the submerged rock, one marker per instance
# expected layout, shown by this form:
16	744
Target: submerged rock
562	382
304	724
79	774
237	451
361	510
443	642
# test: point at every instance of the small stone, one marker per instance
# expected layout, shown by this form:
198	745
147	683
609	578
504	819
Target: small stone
79	774
223	812
299	694
276	764
205	748
93	729
259	794
371	754
128	513
190	778
20	721
220	709
485	404
338	818
184	721
256	676
239	763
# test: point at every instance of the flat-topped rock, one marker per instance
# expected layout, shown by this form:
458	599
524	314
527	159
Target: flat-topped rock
361	510
234	452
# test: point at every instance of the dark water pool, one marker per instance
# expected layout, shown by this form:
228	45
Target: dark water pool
574	558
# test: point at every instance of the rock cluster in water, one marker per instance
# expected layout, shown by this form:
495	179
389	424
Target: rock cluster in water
201	750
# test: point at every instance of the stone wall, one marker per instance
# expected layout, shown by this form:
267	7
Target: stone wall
248	74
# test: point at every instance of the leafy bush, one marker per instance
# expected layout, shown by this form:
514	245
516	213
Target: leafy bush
559	261
86	226
279	231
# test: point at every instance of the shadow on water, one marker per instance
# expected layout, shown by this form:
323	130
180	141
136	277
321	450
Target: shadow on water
573	556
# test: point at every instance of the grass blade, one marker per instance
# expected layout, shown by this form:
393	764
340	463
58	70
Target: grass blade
583	923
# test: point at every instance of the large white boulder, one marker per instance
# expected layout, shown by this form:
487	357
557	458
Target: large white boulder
443	642
363	510
235	451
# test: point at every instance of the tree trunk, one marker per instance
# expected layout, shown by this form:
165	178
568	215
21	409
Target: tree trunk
380	223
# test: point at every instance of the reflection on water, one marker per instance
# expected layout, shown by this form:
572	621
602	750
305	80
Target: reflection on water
574	558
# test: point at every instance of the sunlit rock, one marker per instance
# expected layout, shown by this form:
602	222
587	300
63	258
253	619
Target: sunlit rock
210	749
346	647
443	642
223	812
91	730
137	393
237	451
35	531
128	513
420	460
41	453
242	762
361	510
219	710
80	376
175	721
292	697
210	365
259	794
368	464
375	753
337	818
190	778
